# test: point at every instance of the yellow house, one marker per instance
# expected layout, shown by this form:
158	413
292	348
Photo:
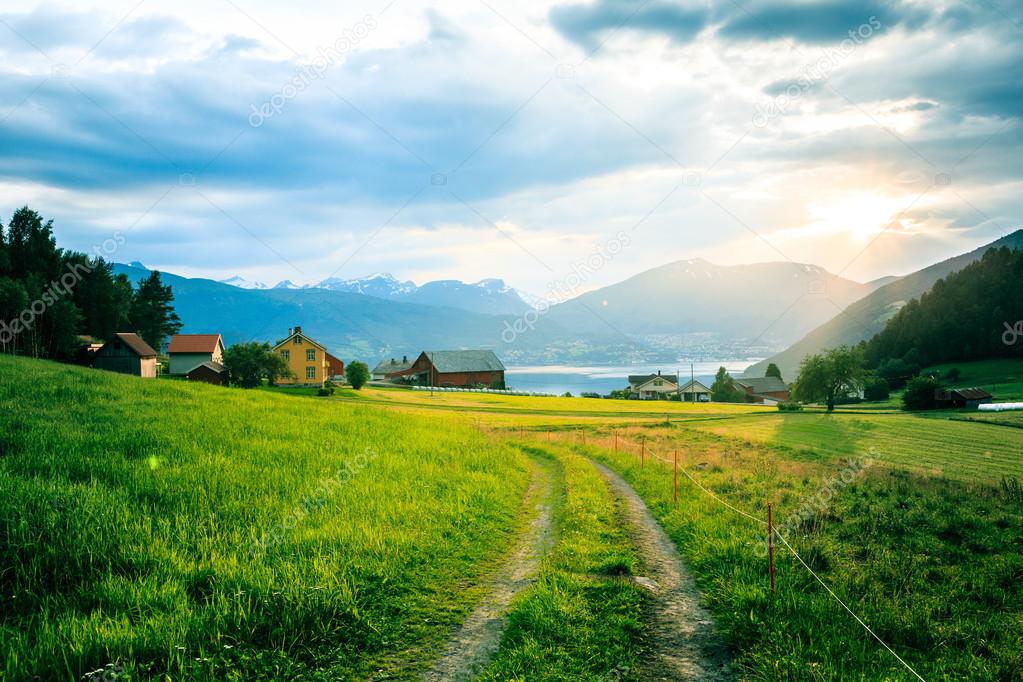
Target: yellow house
306	358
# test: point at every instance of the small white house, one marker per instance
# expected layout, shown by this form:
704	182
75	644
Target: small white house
188	351
694	392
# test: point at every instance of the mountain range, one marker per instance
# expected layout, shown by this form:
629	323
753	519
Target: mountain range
689	309
489	296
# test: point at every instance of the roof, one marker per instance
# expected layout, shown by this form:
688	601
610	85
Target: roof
445	361
636	379
668	380
215	366
763	384
194	343
698	387
971	393
333	358
136	344
392	365
302	334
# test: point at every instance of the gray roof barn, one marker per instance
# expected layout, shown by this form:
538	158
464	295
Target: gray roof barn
386	367
446	361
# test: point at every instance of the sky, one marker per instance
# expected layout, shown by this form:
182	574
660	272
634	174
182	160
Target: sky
474	139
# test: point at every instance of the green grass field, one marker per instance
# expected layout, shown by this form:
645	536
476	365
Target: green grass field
180	531
129	509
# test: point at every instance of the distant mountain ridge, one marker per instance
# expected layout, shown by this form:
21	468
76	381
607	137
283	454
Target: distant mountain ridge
779	301
867	316
488	296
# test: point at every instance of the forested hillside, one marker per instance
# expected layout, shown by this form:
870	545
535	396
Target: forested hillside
968	315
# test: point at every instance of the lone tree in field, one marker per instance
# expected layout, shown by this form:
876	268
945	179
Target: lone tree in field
834	374
152	313
773	371
357	374
249	363
724	390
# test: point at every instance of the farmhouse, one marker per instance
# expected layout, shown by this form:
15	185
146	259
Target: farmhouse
455	368
694	392
390	367
306	358
962	397
128	354
188	351
768	390
652	387
209	373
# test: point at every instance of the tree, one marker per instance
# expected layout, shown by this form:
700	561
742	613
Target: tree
249	363
835	373
773	371
152	316
876	388
724	390
357	374
920	394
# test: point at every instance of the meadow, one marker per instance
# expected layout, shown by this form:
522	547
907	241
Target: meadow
179	531
182	531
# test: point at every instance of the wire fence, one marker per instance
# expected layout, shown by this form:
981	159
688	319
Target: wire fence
618	444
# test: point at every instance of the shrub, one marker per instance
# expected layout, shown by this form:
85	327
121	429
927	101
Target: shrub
920	394
357	374
790	406
876	389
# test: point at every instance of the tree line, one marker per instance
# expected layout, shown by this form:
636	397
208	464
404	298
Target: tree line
50	296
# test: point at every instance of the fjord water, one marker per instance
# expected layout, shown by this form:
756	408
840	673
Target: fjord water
559	379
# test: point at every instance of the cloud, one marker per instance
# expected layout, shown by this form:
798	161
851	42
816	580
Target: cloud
827	21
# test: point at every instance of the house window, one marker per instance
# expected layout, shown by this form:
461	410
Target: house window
286	354
297	339
310	355
310	372
658	382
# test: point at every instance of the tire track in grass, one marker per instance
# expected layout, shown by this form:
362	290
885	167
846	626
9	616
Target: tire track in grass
684	644
478	638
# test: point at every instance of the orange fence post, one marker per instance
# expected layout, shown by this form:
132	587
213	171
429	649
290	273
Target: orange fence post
548	435
616	441
770	544
642	454
674	494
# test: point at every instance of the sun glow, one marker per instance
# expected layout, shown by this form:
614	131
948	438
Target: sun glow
860	215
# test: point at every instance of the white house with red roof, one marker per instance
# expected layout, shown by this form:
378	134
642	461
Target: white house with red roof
188	351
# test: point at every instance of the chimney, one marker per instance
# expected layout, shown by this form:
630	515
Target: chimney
290	332
658	372
404	358
298	330
393	361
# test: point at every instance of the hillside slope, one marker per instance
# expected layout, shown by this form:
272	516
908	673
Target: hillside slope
738	301
866	317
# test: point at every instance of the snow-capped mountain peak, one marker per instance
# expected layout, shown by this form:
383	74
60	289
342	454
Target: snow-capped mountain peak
242	283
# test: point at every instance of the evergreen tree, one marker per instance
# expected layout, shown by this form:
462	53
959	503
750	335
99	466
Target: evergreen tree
152	316
773	371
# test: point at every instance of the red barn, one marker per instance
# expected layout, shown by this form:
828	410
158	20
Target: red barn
455	368
335	367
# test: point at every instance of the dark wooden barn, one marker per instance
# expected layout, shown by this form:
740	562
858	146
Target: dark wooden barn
127	354
209	373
